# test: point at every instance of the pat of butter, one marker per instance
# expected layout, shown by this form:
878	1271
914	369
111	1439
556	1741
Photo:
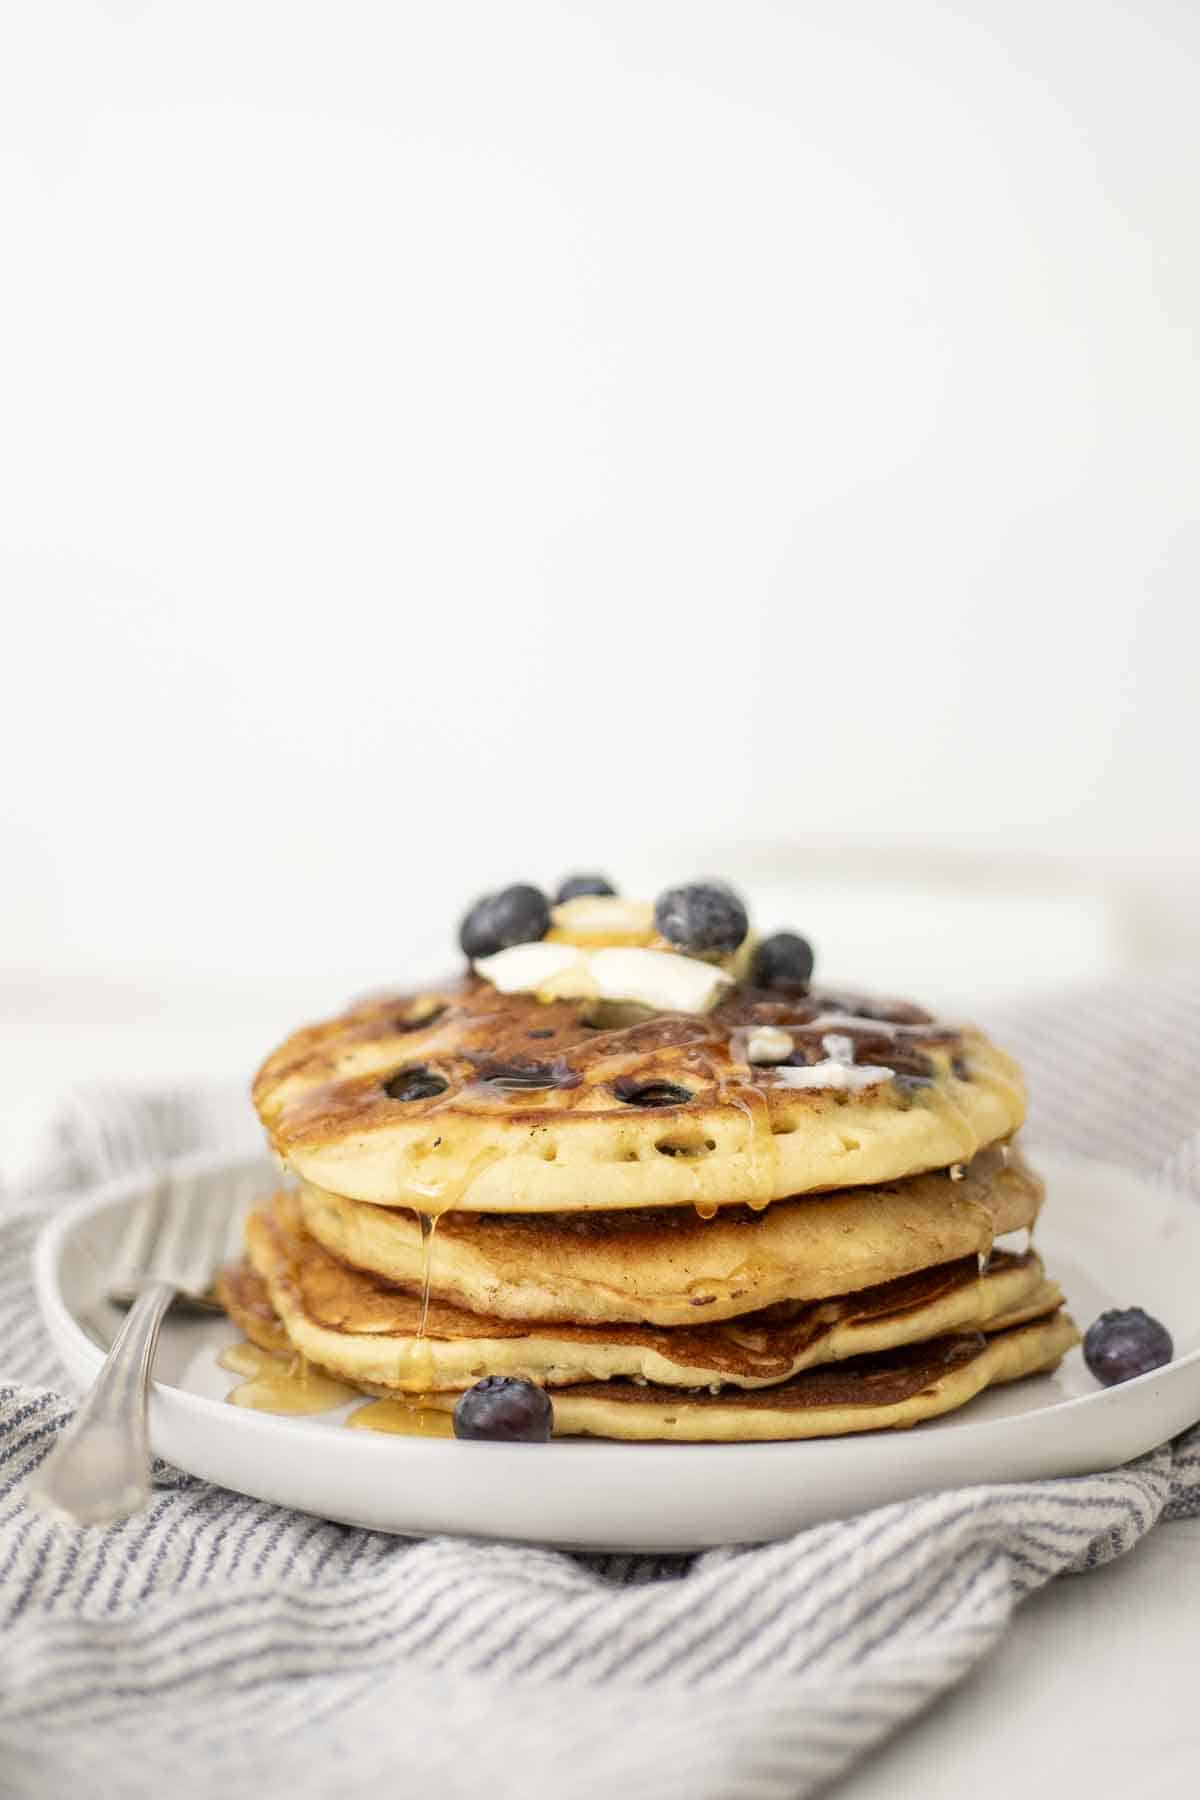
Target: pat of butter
659	979
839	1070
845	1077
601	921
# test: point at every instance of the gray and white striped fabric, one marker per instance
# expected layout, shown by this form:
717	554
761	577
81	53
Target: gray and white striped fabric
219	1646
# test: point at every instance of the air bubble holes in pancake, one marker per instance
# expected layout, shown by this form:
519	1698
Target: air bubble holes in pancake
685	1144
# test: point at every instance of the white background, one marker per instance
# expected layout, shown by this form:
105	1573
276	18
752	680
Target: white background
442	444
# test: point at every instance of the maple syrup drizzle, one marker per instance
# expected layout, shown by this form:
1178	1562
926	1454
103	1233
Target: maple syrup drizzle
427	1222
440	1196
736	1087
763	1148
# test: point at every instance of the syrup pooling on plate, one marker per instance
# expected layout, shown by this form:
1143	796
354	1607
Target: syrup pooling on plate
279	1383
251	1359
402	1418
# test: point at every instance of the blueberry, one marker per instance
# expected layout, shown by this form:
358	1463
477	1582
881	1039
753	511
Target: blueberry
785	961
516	915
505	1409
1121	1345
651	1093
414	1084
575	885
704	915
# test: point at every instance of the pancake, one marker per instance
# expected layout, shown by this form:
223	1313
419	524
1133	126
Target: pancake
460	1096
887	1390
362	1330
241	1290
891	1391
668	1266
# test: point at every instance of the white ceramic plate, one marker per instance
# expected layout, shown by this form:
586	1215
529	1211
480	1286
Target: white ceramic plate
1110	1239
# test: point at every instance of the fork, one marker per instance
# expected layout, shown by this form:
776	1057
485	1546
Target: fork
173	1243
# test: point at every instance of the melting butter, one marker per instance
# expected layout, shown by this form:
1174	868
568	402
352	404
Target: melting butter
664	980
768	1044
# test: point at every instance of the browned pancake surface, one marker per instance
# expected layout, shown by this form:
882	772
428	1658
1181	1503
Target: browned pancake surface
671	1266
347	1321
503	1103
886	1379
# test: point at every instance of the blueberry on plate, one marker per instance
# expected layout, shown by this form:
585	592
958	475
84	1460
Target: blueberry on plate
516	915
783	960
1120	1345
702	915
506	1410
576	885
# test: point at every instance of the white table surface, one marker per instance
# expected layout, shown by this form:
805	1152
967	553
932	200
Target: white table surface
1094	1692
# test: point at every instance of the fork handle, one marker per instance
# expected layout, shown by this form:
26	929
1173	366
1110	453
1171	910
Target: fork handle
100	1469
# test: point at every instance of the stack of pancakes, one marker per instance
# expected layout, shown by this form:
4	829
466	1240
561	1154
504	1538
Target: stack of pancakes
676	1239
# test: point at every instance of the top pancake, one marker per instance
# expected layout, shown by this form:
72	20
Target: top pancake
550	1108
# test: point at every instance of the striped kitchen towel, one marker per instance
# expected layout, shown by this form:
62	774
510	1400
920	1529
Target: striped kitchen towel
219	1646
